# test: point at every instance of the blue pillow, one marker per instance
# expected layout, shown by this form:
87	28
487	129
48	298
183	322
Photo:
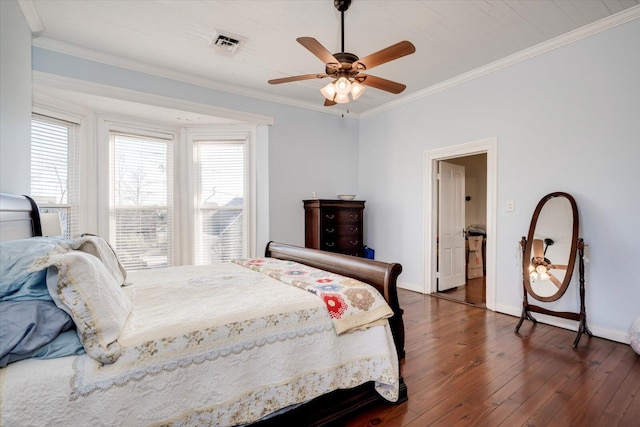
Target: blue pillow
31	328
20	279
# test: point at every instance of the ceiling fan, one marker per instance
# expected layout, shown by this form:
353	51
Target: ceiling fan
346	69
541	266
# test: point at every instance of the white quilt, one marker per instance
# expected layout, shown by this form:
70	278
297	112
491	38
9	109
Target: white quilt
205	345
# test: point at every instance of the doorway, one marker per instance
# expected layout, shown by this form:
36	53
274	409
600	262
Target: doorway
466	203
479	161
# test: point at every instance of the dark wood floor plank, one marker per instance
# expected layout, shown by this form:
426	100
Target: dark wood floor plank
625	400
566	369
465	366
585	399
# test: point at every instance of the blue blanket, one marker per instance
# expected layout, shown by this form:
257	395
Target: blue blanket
35	329
31	325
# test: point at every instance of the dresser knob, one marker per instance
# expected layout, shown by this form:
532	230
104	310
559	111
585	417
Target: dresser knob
330	244
354	242
329	230
354	229
354	216
328	216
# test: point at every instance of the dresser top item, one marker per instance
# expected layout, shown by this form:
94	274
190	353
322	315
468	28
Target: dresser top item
316	203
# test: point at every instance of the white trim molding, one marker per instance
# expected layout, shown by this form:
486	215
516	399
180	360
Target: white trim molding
97	89
431	158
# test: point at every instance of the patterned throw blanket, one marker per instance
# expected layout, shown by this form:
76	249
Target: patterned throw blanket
351	303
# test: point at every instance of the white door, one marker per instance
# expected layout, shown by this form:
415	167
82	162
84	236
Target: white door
451	220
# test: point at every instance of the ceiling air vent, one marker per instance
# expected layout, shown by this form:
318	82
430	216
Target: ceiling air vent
227	43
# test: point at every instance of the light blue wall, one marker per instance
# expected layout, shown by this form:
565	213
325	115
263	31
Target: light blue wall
15	100
308	151
567	120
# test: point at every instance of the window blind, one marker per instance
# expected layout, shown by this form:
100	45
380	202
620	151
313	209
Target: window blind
221	211
141	221
54	169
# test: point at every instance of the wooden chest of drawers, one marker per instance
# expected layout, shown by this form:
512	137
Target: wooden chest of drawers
334	225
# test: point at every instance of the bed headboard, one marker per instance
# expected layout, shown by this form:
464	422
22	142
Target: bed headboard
19	217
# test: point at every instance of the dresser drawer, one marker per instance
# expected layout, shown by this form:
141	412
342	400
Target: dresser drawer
350	246
340	216
349	216
346	230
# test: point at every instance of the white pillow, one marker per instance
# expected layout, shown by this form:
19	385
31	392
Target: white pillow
90	294
100	248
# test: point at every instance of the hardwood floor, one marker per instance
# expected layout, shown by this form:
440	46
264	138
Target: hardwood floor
465	366
473	292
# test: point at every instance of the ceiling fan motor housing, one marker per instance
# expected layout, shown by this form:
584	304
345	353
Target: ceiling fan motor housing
344	68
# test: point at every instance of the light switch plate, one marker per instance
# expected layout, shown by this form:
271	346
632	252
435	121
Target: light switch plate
510	206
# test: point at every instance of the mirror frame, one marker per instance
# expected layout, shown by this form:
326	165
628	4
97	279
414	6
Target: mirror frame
577	248
526	259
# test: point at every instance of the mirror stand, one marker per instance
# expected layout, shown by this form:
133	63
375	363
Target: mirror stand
581	317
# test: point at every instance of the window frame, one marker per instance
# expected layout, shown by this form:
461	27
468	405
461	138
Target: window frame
183	207
224	134
75	170
106	126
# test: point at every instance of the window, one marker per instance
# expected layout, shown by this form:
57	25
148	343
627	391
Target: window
54	169
140	193
221	232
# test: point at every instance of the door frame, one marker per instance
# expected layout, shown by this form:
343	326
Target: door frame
431	159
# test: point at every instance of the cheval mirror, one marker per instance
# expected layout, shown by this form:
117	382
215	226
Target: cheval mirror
548	257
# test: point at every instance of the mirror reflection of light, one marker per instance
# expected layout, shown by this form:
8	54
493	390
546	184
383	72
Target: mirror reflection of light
538	272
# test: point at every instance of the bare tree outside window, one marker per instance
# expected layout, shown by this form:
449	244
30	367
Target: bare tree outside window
139	201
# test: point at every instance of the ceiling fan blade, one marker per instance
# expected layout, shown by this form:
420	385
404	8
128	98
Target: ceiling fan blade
390	53
555	280
538	248
318	50
557	266
297	78
380	83
329	103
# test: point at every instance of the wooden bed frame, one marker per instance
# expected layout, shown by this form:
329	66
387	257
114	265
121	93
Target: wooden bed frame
19	218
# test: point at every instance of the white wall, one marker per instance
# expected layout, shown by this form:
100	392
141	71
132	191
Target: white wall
15	100
308	151
567	120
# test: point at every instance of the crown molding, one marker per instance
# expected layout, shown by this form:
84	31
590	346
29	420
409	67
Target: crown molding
557	42
565	39
83	86
129	64
31	16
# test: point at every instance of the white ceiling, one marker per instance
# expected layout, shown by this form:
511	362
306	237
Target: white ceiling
453	39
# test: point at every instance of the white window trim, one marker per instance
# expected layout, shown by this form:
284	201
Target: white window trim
245	133
56	109
183	252
105	126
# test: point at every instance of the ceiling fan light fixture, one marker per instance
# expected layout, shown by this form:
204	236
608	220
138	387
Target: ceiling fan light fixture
341	99
343	86
329	91
357	89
